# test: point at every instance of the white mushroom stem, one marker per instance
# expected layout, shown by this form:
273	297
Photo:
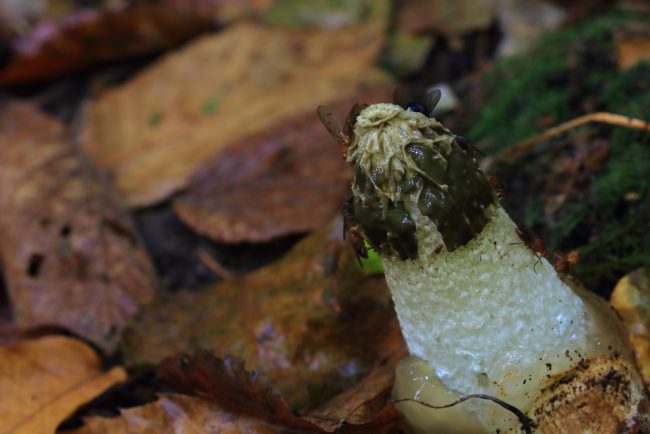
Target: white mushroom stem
481	312
492	318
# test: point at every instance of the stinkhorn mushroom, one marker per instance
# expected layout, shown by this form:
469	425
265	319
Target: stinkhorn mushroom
483	314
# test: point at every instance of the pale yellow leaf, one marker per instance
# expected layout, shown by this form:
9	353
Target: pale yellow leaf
43	381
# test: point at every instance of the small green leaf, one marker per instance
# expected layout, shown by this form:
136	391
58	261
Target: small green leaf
372	265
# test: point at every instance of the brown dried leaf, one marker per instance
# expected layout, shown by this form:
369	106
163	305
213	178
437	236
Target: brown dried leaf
366	408
227	383
285	180
69	253
92	36
153	132
45	380
8	330
173	414
311	322
632	45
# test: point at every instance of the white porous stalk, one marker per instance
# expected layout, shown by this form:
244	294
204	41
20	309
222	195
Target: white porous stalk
486	310
489	317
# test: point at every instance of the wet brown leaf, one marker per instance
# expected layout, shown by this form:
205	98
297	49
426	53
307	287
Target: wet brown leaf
311	322
287	179
45	380
70	255
365	408
88	37
153	132
226	382
173	414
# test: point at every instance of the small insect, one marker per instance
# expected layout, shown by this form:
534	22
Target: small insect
496	185
563	262
417	103
533	243
351	230
343	135
466	146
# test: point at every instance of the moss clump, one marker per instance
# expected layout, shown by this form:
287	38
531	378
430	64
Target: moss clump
571	73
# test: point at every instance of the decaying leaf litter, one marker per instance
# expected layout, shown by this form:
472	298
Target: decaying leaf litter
222	132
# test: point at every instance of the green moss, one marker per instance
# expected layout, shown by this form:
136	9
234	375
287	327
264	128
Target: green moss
607	217
524	91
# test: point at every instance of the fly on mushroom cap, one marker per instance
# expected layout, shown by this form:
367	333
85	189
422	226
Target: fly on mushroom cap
408	169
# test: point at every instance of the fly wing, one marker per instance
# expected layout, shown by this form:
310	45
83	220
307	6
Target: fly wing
327	118
348	128
432	99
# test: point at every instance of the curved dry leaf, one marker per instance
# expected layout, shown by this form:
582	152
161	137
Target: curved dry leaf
153	132
288	179
92	36
70	255
227	383
311	322
43	381
365	408
173	414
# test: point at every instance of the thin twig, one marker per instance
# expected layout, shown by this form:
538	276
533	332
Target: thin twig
526	422
602	117
206	258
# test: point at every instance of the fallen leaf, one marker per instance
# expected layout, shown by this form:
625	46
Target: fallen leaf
9	333
443	16
285	180
88	37
226	382
173	414
153	132
363	409
45	380
311	322
70	255
631	300
632	51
